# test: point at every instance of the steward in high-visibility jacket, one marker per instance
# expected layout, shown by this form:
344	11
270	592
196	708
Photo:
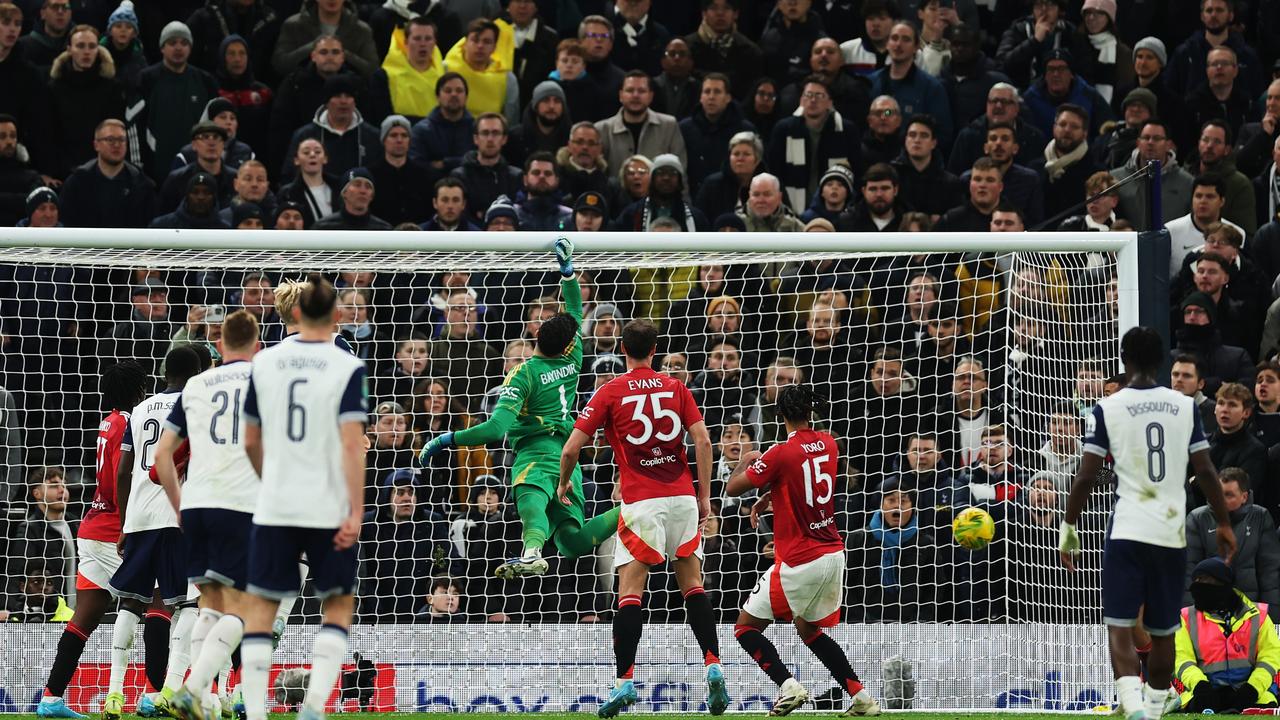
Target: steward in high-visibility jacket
1227	651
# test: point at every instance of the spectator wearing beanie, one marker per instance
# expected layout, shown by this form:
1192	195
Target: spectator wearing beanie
208	139
84	93
835	195
300	31
221	112
404	187
544	126
199	207
1149	62
501	216
122	41
348	140
250	100
357	199
42	209
729	222
1113	148
255	22
406	82
247	216
172	96
1060	84
1105	62
666	198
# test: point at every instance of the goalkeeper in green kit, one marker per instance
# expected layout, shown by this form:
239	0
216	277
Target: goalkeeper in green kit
535	411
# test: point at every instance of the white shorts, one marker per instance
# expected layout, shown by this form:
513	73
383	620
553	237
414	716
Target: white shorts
97	561
811	591
658	529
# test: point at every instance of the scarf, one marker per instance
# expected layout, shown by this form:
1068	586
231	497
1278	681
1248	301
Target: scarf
528	33
1055	165
723	44
1105	44
891	546
633	31
1273	198
689	225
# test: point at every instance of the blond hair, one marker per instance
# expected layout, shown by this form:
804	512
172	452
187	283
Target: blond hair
287	295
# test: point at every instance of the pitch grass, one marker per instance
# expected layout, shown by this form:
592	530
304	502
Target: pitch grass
892	715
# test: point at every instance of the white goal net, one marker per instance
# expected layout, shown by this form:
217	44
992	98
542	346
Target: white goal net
955	378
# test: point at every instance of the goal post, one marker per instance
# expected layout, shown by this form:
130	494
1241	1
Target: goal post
923	343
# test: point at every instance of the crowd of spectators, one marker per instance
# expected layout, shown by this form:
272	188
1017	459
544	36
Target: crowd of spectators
633	115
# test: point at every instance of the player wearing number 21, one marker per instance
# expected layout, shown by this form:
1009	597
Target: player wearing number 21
806	583
1150	431
305	410
645	415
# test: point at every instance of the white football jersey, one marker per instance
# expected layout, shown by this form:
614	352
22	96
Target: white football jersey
337	340
148	507
300	393
1151	433
209	414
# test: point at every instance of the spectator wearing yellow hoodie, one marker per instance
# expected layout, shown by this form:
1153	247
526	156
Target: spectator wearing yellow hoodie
484	59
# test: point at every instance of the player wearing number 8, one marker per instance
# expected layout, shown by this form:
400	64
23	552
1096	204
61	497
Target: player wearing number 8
1151	431
533	412
645	415
806	583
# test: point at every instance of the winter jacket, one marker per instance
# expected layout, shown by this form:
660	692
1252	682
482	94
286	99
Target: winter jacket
1240	207
90	199
258	24
40	48
1242	450
1176	185
678	98
604	80
707	141
343	220
1022	57
1253	151
543	213
403	193
398	560
782	220
295	103
436	138
1068	189
636	216
574	180
174	189
742	60
235	155
486	182
1222	363
918	92
639	50
182	219
721	193
789	153
81	100
933	191
970	141
1041	107
25	97
162	113
17	179
356	146
299	33
786	46
1257	559
535	59
298	192
1202	106
660	134
252	101
968	93
129	62
921	563
527	137
1189	62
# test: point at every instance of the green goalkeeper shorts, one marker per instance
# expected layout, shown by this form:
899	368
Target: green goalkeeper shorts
541	473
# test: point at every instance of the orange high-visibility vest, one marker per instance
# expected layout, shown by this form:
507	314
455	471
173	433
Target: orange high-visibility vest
1225	658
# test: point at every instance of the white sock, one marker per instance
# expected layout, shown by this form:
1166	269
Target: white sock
1153	701
255	670
286	608
224	678
179	647
532	551
1129	691
121	640
205	620
218	646
326	664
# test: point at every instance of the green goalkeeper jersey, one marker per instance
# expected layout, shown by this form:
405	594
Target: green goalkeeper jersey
536	402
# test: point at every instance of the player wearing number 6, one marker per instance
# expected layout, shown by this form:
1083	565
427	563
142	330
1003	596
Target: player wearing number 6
534	406
645	415
1150	431
806	583
304	414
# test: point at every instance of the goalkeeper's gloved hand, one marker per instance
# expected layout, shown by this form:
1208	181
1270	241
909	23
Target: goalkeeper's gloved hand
1245	696
1068	544
1202	697
564	255
438	444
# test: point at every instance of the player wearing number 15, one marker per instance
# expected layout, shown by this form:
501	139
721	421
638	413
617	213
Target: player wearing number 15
533	409
1150	431
806	583
304	410
644	415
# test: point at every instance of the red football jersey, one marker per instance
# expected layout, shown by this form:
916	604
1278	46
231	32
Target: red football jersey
645	415
800	473
103	520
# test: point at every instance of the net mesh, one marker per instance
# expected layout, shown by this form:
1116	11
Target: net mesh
960	379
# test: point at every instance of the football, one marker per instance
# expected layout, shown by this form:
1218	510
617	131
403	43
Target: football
973	528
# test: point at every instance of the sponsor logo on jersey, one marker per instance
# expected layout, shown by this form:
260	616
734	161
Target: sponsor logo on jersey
663	460
586	412
821	523
508	392
759	466
551	376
